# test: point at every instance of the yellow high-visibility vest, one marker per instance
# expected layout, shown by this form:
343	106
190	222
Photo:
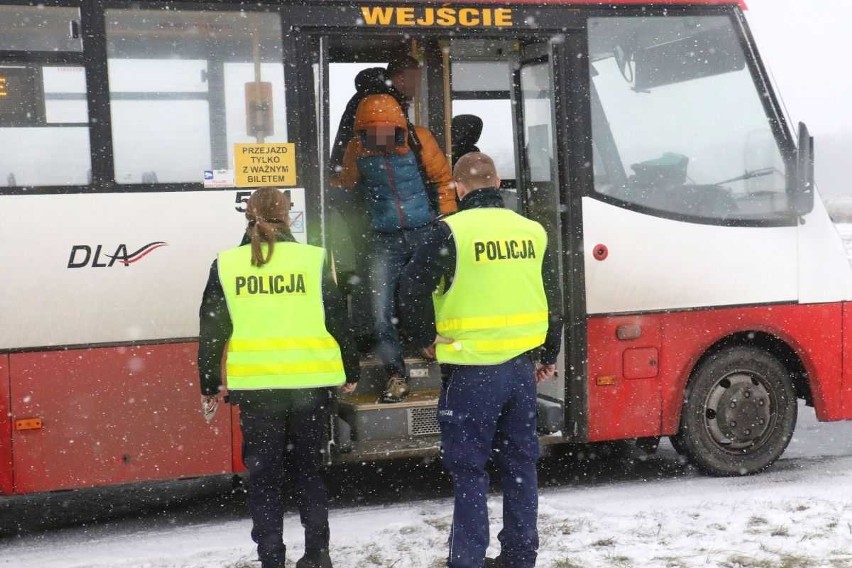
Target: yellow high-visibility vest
279	340
495	308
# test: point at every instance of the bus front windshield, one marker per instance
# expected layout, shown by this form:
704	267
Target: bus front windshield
678	123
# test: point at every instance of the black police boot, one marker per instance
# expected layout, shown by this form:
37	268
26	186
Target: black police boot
272	558
315	559
494	563
273	562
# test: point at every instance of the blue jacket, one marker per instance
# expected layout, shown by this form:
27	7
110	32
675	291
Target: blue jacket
395	191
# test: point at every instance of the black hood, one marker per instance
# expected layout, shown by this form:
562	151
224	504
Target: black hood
371	81
467	128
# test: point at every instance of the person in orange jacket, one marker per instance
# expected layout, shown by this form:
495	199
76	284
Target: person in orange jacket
407	183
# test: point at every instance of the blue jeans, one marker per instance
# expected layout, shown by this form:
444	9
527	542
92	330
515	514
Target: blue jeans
390	253
490	412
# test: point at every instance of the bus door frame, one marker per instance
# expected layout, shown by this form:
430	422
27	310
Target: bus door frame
302	25
570	112
574	121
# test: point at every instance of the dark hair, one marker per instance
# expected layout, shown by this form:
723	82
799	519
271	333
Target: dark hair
400	64
267	212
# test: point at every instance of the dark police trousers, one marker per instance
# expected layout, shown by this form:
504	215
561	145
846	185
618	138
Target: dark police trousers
289	434
490	411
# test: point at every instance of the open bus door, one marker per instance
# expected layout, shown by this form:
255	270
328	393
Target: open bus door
512	78
362	428
544	193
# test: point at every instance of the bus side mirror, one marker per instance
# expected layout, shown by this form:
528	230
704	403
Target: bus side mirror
803	196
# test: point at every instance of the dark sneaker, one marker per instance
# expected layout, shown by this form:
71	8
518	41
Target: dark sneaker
272	558
494	563
396	390
315	559
277	562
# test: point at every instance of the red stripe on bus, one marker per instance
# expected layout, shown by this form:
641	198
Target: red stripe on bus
113	415
633	408
7	479
143	255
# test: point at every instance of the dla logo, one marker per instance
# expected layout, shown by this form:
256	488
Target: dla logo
83	256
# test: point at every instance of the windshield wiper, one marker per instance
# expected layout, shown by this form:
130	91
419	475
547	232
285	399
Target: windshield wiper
750	175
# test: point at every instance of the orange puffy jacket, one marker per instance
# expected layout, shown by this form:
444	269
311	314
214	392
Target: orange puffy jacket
377	110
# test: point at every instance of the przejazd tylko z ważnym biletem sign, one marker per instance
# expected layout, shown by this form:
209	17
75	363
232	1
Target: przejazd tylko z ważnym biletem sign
258	165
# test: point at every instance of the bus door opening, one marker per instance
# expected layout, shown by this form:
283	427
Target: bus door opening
506	84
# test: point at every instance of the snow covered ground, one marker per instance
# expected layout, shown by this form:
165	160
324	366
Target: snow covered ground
657	514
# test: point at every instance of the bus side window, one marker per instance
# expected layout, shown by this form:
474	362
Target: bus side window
178	83
43	110
482	88
39	28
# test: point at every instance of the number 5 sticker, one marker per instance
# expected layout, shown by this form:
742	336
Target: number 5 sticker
242	198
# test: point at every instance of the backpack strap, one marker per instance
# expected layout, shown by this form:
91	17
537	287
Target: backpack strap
417	147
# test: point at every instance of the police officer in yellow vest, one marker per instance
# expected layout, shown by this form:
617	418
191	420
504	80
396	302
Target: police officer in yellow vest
274	304
488	276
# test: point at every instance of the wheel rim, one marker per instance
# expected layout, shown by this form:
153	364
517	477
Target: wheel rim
740	411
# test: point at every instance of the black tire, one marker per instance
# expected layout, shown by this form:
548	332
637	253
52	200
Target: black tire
739	413
678	447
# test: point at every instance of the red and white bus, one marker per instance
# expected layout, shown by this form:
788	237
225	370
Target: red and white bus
705	286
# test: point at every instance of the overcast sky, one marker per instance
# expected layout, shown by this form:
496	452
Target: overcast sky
807	46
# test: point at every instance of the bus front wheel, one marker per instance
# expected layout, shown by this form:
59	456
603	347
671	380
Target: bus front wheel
739	412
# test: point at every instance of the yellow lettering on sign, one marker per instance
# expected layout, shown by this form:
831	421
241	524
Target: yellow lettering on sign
427	19
445	16
377	16
503	17
3	91
258	165
405	16
469	17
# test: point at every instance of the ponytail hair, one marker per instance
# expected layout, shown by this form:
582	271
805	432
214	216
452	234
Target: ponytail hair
268	214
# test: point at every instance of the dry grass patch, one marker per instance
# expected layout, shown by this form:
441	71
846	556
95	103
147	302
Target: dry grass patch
620	561
566	563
